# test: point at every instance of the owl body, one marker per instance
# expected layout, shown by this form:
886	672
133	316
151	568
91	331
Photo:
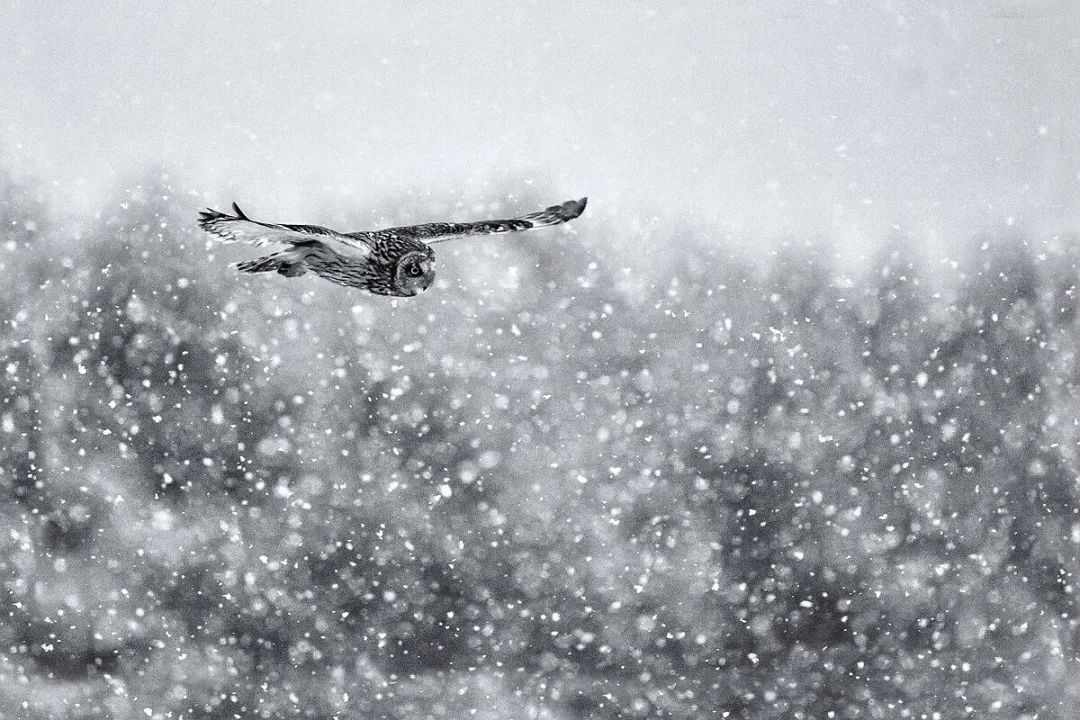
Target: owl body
387	270
397	261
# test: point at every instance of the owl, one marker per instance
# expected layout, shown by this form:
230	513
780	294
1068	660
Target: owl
396	261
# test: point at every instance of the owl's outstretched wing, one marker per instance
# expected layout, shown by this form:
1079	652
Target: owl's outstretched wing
439	232
241	228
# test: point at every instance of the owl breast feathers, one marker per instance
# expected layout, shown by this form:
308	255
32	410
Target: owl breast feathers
395	261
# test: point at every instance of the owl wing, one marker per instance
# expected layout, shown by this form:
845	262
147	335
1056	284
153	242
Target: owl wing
241	228
439	232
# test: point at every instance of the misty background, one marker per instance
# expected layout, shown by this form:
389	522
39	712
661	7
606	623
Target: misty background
834	119
784	426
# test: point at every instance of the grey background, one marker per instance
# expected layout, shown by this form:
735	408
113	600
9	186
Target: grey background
755	118
784	426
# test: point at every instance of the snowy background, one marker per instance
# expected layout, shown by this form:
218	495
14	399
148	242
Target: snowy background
785	426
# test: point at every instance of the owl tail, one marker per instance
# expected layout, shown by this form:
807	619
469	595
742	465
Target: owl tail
289	263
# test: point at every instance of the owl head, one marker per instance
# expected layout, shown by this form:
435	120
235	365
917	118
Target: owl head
414	273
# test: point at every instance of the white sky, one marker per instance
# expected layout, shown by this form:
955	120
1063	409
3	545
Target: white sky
758	118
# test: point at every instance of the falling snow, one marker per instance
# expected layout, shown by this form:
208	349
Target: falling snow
786	426
713	487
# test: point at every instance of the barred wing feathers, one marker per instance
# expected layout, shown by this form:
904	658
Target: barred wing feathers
240	228
440	232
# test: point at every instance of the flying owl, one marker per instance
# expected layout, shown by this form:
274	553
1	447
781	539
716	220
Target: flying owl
396	261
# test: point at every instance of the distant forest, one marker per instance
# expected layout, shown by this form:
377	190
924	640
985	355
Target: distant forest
558	485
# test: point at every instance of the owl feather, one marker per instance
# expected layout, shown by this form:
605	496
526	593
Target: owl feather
395	261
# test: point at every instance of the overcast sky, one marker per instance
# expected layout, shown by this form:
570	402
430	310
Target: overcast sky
757	118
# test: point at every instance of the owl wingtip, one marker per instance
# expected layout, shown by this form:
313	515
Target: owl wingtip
208	216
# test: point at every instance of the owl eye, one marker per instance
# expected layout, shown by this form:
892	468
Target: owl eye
413	271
